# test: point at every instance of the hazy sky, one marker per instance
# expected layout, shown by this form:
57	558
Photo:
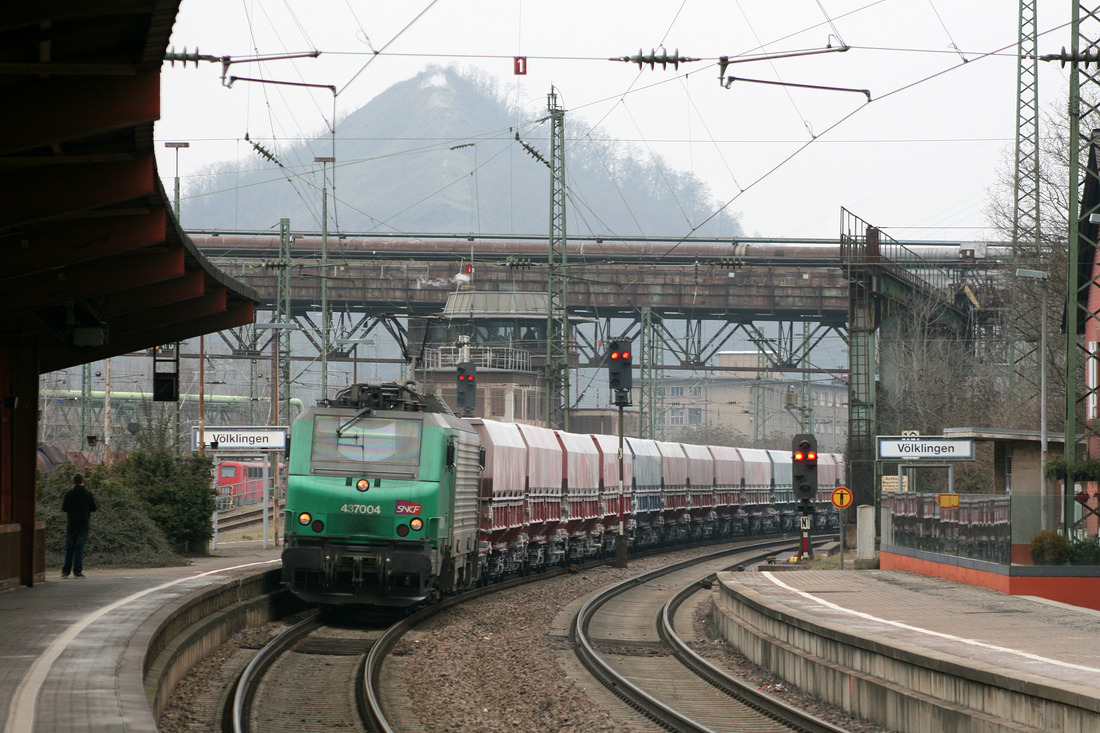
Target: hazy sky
918	160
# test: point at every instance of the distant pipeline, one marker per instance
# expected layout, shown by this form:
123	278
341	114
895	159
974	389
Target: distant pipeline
515	250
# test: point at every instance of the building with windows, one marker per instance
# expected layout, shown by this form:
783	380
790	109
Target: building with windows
756	403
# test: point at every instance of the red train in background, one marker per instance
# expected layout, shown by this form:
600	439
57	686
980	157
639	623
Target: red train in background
239	483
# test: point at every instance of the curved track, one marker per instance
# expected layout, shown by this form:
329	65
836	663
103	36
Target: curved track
324	675
306	679
628	638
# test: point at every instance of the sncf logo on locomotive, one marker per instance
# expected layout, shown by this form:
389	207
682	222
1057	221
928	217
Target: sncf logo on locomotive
407	507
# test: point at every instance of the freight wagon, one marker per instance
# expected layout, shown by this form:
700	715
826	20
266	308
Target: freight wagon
393	500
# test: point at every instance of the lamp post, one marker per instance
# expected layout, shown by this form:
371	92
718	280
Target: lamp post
1042	277
176	147
176	412
324	161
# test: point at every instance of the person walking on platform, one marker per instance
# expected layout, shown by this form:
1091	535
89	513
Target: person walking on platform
78	505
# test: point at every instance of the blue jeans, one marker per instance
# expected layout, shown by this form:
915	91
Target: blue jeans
74	550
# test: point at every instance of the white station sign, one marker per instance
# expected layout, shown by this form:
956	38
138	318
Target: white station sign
919	449
244	438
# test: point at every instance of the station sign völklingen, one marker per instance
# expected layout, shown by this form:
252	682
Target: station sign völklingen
249	438
924	448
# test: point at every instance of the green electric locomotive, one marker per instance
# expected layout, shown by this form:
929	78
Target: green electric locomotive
381	502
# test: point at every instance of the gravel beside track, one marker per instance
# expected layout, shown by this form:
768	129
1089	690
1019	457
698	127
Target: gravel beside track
496	664
200	697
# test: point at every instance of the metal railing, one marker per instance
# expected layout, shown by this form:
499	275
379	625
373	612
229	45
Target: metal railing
484	357
980	528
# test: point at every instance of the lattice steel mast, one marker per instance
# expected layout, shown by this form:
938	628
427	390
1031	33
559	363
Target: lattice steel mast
283	318
859	247
557	323
1081	285
1025	210
650	395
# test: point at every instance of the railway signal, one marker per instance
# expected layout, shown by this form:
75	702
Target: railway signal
804	483
467	387
620	376
804	471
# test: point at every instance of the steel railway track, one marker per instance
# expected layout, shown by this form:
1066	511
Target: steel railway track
248	518
321	674
327	704
626	636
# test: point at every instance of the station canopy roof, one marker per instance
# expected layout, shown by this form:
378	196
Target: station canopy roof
95	264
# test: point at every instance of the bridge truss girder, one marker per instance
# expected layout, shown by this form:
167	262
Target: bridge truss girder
813	293
690	351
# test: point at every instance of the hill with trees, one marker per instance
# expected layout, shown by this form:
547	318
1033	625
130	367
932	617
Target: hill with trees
438	154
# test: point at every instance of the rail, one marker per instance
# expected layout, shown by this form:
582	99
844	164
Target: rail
732	686
245	689
639	699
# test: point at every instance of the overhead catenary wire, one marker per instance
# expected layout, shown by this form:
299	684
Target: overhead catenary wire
894	92
386	45
946	30
331	124
831	141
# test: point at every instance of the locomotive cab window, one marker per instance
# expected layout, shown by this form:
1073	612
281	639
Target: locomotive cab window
379	444
228	471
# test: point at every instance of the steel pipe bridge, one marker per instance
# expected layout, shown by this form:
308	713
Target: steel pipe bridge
380	281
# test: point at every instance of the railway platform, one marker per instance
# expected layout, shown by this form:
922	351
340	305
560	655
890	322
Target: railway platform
919	653
72	651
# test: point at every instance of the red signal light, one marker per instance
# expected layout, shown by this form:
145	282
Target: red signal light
811	456
614	354
800	456
626	354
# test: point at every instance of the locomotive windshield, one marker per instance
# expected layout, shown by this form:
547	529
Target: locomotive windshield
377	443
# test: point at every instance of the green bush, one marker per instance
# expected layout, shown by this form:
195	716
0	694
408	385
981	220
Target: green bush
177	492
1084	552
152	504
1049	548
122	534
1086	470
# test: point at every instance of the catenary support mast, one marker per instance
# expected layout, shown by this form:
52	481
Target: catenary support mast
557	323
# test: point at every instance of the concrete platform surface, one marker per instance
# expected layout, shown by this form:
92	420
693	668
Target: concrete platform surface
1019	636
62	641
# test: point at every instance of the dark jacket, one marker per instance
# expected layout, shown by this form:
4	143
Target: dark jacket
79	505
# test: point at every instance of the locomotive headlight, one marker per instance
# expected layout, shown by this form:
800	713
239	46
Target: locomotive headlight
362	484
305	518
417	524
402	530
